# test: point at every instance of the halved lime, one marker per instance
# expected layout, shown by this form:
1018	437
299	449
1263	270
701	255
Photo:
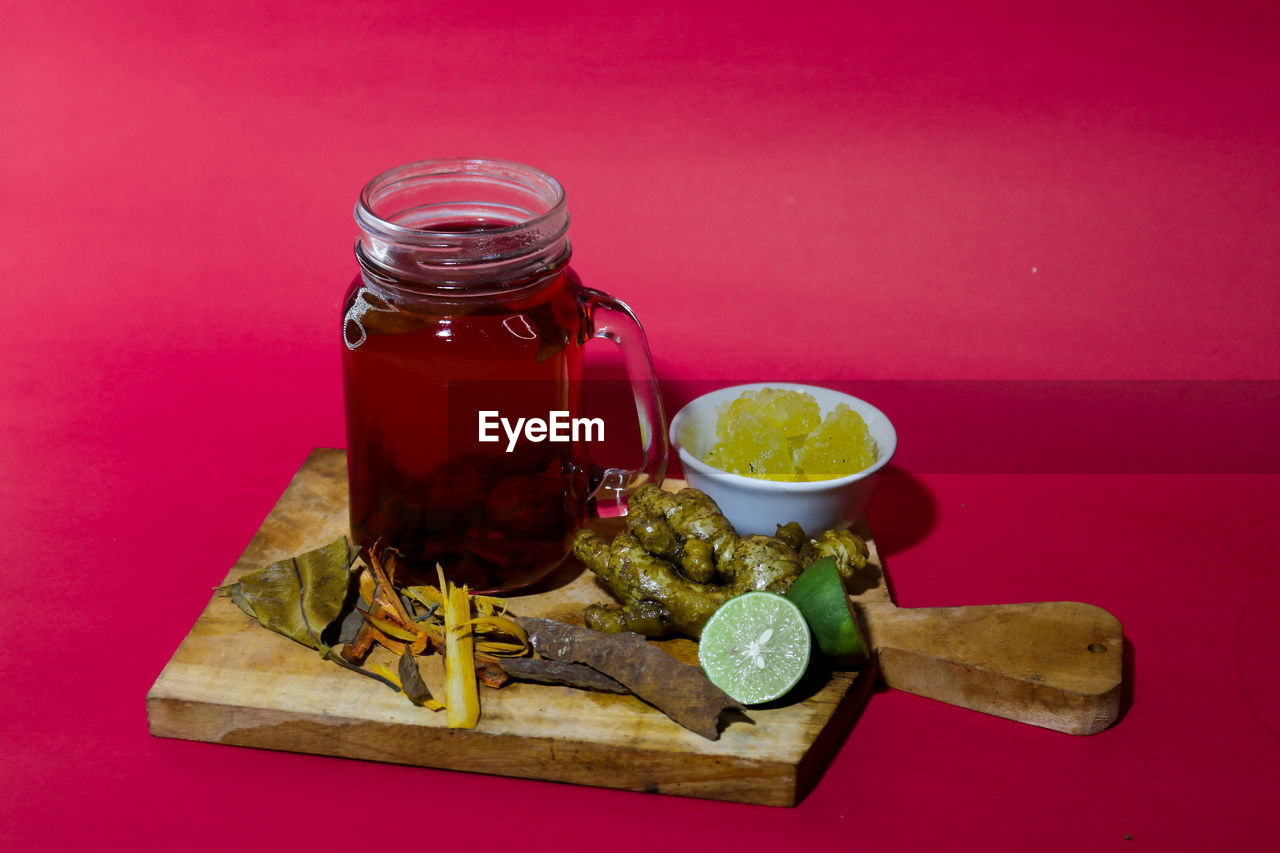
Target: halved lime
755	647
819	593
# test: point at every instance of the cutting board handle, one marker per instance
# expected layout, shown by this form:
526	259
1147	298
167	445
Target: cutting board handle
1054	664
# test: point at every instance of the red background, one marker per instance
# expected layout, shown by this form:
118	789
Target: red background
812	191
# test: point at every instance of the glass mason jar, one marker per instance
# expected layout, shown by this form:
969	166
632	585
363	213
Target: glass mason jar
466	314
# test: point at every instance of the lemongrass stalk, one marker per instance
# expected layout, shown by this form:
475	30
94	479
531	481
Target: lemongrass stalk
462	700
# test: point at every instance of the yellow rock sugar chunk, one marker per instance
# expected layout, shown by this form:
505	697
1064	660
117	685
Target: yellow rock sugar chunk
841	445
749	447
779	434
780	411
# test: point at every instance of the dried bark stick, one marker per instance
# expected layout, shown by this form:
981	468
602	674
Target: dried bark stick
681	692
559	672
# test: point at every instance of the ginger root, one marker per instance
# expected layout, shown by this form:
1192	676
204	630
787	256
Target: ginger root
679	559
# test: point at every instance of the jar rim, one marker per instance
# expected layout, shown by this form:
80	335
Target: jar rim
379	188
516	218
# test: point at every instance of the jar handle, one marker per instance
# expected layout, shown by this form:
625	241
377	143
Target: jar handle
612	320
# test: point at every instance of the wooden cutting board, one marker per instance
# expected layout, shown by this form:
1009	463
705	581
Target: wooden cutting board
233	682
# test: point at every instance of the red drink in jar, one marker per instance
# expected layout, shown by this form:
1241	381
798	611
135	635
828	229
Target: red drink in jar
465	314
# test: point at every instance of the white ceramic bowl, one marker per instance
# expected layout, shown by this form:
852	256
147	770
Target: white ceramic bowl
759	506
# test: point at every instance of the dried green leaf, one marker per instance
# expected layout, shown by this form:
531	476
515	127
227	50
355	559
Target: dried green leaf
300	596
234	592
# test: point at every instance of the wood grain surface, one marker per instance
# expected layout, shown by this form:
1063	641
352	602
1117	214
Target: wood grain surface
1055	664
232	682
